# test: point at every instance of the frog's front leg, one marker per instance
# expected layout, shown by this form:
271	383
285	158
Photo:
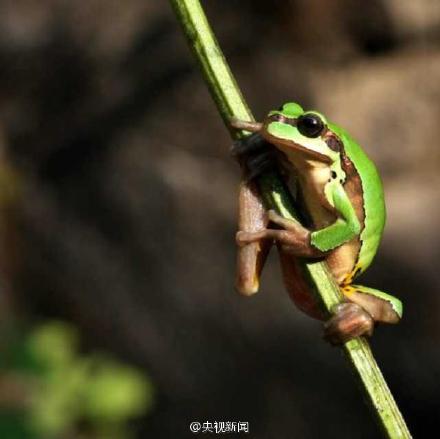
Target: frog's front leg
251	256
293	237
255	156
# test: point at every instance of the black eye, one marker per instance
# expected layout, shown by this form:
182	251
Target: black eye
281	108
310	125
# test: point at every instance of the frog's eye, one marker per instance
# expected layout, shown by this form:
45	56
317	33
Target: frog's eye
310	125
281	108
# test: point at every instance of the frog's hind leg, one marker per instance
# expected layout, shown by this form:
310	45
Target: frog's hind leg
381	306
349	320
356	317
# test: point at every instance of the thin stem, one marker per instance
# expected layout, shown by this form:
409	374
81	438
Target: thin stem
231	105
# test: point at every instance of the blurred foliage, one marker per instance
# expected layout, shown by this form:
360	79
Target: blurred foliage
49	390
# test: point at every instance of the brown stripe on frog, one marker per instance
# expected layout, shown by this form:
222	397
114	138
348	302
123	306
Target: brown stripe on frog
283	119
347	255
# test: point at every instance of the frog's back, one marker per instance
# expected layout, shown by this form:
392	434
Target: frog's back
373	199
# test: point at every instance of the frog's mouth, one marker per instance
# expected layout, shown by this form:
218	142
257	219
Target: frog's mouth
286	144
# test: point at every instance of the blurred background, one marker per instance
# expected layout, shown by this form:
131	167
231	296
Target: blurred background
118	317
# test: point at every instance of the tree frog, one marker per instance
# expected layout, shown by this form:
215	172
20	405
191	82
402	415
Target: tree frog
341	199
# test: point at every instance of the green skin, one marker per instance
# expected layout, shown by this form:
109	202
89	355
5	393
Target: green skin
343	196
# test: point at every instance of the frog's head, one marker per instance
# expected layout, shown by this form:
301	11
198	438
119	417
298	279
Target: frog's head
292	129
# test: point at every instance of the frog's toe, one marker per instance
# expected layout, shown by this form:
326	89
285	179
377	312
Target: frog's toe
349	321
243	238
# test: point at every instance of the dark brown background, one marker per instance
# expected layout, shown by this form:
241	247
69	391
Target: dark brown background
125	218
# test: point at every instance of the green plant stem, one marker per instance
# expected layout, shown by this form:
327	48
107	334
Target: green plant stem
230	104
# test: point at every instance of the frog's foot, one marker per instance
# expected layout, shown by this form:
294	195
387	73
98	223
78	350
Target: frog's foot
349	321
381	306
254	154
